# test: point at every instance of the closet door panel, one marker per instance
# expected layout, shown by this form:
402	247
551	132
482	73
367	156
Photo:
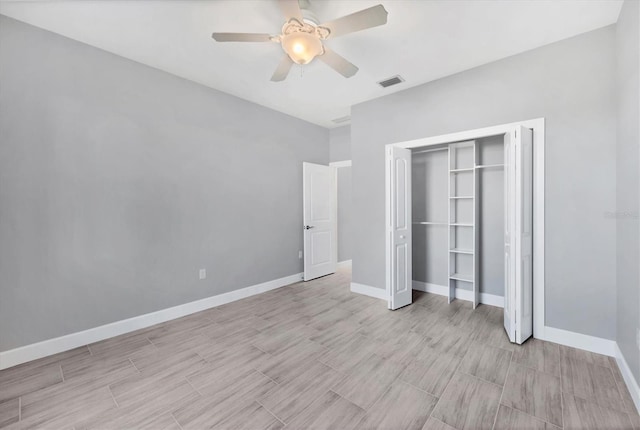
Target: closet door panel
399	253
524	239
518	299
509	264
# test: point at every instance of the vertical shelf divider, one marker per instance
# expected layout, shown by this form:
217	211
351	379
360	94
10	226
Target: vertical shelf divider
455	223
476	225
451	239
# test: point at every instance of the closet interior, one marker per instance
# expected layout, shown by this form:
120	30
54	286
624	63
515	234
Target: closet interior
458	219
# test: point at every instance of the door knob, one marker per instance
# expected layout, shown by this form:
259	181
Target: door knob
307	227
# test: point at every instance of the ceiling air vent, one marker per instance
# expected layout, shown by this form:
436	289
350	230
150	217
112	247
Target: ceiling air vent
394	80
342	119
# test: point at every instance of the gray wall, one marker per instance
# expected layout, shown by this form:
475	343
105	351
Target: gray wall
628	233
340	143
429	197
340	150
118	182
572	84
345	209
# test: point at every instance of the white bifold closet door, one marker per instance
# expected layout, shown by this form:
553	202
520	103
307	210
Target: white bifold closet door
398	187
518	247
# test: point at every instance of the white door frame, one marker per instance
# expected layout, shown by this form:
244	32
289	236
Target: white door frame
538	127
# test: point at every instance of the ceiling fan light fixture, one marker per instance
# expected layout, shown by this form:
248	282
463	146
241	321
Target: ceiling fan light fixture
302	47
302	36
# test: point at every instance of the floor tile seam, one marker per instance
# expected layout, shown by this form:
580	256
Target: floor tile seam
495	418
175	420
113	397
448	383
582	360
418	388
347	400
485	380
620	390
555	426
499	347
537	418
271	413
593	401
380	397
260	349
134	365
267	376
186	378
536	369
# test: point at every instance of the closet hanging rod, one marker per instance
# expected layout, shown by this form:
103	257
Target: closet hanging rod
431	150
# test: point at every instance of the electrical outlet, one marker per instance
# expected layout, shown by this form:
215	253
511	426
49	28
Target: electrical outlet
300	255
203	273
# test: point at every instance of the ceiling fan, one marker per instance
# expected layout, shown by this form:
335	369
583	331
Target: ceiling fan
302	36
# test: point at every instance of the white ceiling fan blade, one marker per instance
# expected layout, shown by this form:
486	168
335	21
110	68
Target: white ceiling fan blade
367	18
290	9
241	37
338	63
282	70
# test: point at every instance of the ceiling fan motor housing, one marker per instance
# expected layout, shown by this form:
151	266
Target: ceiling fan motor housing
302	41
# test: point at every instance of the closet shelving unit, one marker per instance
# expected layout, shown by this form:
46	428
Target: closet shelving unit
464	233
461	171
465	165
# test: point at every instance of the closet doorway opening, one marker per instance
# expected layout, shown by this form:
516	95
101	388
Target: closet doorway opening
465	219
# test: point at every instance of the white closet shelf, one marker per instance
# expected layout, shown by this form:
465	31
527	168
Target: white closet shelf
429	223
458	224
461	197
489	166
461	251
470	169
459	277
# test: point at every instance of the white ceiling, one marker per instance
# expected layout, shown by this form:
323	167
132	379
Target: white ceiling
422	41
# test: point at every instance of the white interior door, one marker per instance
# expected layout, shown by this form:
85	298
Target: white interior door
518	295
320	215
399	271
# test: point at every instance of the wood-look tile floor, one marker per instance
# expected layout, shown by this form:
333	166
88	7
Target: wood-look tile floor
316	356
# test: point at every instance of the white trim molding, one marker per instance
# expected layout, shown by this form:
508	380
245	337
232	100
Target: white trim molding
629	380
578	340
466	295
345	163
368	290
48	347
344	263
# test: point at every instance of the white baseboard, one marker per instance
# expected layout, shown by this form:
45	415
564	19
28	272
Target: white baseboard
344	263
48	347
629	380
368	290
580	341
487	299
